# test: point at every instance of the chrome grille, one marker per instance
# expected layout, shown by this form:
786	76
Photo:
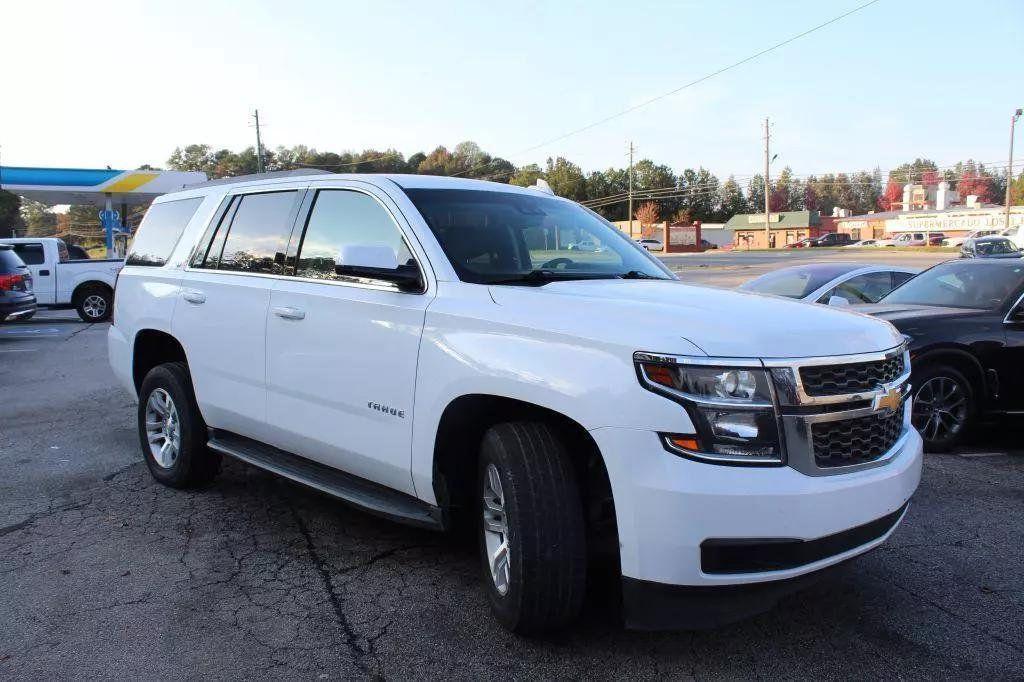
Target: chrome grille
826	380
855	441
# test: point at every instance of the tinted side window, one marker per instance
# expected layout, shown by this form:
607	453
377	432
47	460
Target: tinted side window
867	288
160	231
32	254
259	233
899	278
9	262
344	218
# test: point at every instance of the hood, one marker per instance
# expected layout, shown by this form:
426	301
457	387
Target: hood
662	315
898	313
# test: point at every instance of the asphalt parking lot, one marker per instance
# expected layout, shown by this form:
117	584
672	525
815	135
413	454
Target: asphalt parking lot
106	574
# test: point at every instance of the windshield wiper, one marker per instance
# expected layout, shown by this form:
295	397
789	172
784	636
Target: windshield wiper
637	274
540	276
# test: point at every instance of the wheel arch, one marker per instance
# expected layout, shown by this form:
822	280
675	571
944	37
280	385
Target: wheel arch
152	347
460	432
84	286
960	358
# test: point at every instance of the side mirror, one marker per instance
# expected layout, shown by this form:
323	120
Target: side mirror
377	261
838	301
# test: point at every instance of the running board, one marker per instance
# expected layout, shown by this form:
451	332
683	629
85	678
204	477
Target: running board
358	492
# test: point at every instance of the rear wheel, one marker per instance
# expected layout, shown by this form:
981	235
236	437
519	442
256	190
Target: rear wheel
943	407
172	432
94	304
532	532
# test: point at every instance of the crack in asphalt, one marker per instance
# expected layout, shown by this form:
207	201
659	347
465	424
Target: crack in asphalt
358	653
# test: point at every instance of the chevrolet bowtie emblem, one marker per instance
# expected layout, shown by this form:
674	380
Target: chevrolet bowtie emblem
889	401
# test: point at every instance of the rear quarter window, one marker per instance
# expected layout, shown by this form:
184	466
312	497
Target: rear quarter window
9	262
160	231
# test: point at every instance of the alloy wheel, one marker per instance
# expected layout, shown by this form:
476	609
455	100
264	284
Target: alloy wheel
95	306
496	530
940	408
163	429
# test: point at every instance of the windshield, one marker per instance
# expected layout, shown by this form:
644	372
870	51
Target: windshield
797	282
509	238
995	246
979	285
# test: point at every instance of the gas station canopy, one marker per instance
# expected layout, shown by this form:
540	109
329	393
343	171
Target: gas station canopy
91	186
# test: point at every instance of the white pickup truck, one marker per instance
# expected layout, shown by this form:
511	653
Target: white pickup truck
59	282
430	350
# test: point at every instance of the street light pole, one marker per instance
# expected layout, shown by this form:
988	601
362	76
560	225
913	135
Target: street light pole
767	191
1009	166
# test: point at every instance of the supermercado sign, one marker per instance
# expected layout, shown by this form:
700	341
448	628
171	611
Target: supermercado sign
959	221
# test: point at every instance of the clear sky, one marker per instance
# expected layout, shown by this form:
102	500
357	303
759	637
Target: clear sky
122	83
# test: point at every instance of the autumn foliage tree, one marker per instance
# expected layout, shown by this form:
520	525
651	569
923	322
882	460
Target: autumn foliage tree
893	194
647	214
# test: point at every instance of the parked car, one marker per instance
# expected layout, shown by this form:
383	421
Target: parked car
965	323
585	245
990	247
864	243
831	239
60	282
802	244
651	244
394	341
916	239
831	283
1016	235
958	241
17	301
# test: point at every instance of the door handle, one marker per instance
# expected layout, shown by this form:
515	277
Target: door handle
289	313
44	273
193	296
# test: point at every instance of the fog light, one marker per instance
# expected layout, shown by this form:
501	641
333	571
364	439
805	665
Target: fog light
740	425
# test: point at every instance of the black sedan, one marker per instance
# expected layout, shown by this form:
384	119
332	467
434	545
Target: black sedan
965	322
989	247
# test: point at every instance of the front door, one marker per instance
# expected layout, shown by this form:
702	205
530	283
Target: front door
1011	366
221	313
341	350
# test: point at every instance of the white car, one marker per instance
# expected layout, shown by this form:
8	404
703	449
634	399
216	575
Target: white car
832	283
651	244
410	344
59	281
958	241
1016	235
864	243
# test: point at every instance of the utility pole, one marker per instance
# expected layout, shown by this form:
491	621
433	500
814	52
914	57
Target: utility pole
630	189
1009	166
259	144
767	191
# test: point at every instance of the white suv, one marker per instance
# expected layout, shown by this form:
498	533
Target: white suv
430	349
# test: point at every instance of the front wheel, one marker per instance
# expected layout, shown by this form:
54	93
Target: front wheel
943	407
172	432
532	538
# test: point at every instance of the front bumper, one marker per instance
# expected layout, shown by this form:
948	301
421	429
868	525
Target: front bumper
667	507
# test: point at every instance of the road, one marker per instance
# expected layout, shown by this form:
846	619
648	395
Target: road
108	575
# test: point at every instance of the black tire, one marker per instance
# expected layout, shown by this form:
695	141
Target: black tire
94	303
926	382
195	464
547	567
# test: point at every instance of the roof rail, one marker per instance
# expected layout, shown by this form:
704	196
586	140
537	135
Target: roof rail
260	176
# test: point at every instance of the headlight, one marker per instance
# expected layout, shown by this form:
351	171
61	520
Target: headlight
732	409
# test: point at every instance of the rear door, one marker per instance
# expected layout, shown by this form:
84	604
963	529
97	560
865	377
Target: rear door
342	351
220	317
44	277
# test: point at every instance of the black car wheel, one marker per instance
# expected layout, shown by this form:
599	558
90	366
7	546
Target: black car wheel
943	406
94	304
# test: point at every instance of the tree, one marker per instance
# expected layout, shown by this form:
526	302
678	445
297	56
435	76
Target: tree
893	193
810	199
566	179
731	200
647	214
1017	191
193	157
914	172
755	194
527	176
10	214
977	180
40	221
